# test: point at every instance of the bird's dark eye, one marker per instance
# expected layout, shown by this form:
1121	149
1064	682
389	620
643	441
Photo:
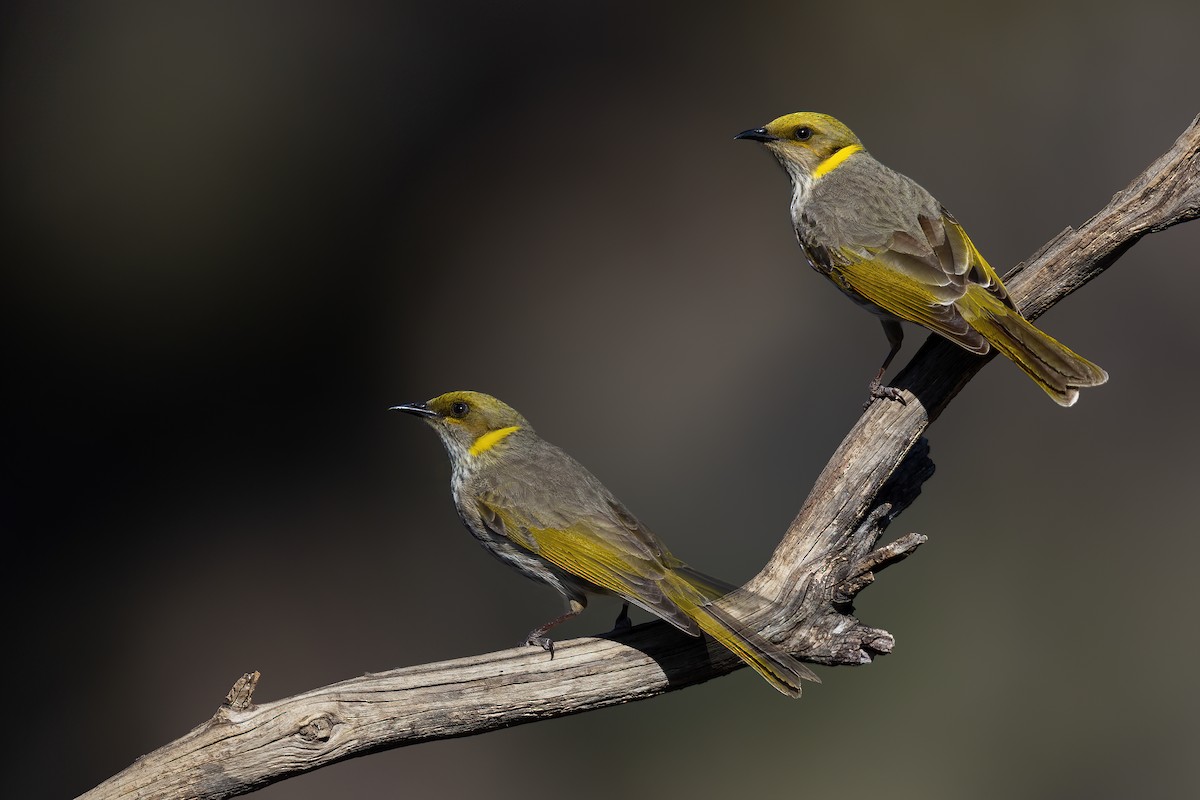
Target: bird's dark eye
459	409
803	133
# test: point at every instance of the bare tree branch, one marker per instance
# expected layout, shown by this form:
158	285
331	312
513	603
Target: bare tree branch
826	558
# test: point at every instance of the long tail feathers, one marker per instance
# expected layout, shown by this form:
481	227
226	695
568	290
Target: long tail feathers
1052	365
780	669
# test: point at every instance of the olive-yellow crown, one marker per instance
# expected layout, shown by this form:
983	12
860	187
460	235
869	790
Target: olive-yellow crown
806	142
470	423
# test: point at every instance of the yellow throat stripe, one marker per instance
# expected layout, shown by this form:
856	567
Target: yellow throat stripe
834	161
491	439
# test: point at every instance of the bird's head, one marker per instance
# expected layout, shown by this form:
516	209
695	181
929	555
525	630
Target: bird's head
806	142
470	423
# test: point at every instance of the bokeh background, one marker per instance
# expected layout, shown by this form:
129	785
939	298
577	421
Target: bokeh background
234	234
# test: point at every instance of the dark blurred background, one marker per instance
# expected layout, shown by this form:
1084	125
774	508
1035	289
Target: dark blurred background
234	234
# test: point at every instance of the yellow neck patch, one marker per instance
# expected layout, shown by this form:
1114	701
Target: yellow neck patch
491	439
834	161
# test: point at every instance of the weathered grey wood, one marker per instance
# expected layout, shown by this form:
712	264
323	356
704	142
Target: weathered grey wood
827	556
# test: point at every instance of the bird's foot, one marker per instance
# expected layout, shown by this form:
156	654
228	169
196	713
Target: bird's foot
880	392
544	642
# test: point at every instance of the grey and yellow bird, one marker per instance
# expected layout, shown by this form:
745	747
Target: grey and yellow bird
889	245
538	510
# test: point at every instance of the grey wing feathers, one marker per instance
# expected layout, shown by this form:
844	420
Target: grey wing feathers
900	225
551	490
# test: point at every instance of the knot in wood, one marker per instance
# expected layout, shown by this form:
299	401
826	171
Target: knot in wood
319	728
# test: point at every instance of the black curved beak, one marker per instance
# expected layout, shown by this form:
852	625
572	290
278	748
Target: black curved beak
757	134
420	409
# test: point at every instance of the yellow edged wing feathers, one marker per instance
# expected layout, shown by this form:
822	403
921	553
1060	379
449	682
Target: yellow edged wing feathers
941	281
603	552
922	276
616	559
898	294
583	553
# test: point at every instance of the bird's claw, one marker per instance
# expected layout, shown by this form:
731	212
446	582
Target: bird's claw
880	392
544	642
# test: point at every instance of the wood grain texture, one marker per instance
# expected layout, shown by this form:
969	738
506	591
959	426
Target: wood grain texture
826	558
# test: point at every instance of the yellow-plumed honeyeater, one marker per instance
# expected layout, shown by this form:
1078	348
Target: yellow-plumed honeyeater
538	510
889	245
